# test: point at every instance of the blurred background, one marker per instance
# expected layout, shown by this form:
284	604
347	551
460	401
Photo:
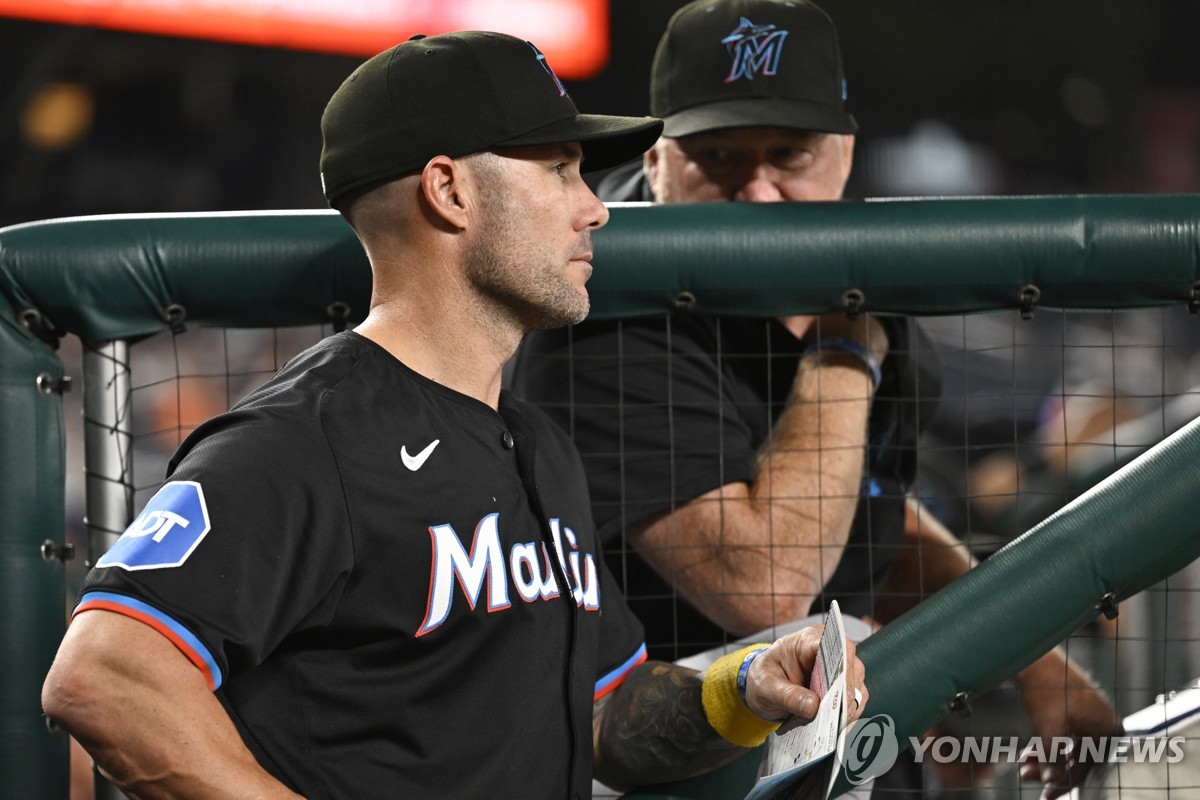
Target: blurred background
953	98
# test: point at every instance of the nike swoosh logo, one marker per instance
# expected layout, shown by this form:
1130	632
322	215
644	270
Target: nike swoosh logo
414	463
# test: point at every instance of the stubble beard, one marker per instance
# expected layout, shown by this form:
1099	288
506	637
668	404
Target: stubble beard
517	277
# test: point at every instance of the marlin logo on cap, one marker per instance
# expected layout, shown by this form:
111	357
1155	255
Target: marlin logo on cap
541	57
753	48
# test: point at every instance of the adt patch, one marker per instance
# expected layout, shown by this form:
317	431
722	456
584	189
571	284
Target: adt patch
165	533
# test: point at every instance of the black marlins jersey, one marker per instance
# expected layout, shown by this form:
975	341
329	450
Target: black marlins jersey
394	590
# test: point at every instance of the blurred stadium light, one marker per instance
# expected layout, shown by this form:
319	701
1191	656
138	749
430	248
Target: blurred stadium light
572	33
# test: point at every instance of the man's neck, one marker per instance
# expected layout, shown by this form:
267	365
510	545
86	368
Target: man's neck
445	345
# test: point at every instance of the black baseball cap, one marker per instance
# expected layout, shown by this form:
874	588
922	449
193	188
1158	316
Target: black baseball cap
749	63
456	94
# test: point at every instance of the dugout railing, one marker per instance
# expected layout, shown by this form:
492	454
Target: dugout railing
114	280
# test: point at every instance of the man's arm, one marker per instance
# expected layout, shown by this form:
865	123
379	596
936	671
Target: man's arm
930	557
1062	700
749	556
147	716
654	728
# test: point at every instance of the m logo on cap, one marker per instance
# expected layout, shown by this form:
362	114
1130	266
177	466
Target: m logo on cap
753	48
541	57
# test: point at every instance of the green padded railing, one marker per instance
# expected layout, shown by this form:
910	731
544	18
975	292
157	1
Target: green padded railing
108	278
1127	533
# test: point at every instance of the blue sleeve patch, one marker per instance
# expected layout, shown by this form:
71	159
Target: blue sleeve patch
165	533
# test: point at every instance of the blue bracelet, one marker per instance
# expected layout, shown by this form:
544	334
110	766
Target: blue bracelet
853	348
745	667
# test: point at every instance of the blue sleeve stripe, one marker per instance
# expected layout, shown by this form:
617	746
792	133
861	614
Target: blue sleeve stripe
613	679
180	636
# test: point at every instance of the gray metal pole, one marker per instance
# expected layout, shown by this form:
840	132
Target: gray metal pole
108	461
108	445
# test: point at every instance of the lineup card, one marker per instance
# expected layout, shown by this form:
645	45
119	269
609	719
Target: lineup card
790	756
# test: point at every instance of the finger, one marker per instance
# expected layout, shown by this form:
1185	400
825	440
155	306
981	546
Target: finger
1056	779
1071	777
855	705
1052	774
1031	768
798	325
1051	792
800	701
856	686
778	697
856	671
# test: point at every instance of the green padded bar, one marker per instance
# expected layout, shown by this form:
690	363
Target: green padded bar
1130	531
115	277
33	761
938	256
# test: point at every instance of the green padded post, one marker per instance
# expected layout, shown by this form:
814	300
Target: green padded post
33	761
1127	533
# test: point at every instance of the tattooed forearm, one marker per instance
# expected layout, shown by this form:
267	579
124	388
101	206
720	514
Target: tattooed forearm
653	729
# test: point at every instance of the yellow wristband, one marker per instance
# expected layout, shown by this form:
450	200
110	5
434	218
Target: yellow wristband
724	706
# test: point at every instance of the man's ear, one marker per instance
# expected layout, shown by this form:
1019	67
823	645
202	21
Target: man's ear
443	186
650	164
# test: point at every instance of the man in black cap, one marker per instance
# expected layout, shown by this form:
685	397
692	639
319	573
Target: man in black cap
377	576
757	469
752	96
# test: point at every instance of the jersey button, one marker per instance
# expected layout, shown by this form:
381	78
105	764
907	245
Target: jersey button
507	440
